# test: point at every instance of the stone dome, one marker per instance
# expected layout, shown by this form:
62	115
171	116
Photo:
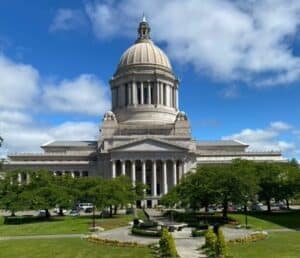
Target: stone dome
145	53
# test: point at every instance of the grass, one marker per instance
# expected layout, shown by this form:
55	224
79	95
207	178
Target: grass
68	248
63	225
277	245
275	220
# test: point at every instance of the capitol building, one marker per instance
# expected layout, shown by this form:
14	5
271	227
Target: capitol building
145	136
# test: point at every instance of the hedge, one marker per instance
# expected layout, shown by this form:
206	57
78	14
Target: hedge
23	220
198	233
145	232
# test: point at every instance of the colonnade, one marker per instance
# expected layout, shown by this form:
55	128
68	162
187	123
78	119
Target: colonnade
162	173
145	92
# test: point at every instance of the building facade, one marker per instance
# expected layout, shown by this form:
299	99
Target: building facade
145	136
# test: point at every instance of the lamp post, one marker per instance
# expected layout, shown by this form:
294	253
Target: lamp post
245	210
94	219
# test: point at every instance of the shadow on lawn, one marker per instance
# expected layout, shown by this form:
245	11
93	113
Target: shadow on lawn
288	219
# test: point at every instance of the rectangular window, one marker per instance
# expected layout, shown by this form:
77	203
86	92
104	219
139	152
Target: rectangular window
146	100
139	92
165	94
152	93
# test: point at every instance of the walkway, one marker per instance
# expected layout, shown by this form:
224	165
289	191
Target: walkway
42	237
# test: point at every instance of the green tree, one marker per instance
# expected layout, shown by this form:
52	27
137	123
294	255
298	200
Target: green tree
269	182
45	191
212	184
13	195
289	180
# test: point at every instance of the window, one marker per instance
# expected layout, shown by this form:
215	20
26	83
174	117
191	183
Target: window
146	100
139	93
152	93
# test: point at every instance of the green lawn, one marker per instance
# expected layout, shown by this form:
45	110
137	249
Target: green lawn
64	225
68	248
277	245
271	221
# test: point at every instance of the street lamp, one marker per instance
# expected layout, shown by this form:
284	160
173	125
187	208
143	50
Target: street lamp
245	210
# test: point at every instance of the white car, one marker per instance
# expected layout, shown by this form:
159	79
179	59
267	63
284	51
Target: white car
85	206
56	210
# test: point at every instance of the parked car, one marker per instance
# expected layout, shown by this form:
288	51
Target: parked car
56	210
74	213
86	207
42	213
257	207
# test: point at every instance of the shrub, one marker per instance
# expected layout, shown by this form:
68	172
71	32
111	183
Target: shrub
198	233
221	246
23	220
210	239
167	247
144	232
256	236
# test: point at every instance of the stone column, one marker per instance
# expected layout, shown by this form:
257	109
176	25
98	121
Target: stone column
19	178
144	172
157	90
113	169
123	167
149	93
142	93
174	173
154	179
133	176
27	178
80	173
180	172
177	99
134	95
129	89
162	93
165	179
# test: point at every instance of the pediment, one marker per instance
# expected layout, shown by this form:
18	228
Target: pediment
149	145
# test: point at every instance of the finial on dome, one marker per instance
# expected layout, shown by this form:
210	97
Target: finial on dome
144	18
143	30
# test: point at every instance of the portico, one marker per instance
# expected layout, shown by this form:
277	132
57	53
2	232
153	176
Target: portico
159	175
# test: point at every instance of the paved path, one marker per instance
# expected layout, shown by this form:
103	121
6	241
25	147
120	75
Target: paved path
123	234
42	237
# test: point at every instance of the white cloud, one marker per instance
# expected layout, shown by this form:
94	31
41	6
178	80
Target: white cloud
269	138
280	126
244	40
231	92
18	84
22	90
22	134
85	94
67	19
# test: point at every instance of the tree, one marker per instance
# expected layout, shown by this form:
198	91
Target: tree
212	184
46	191
13	195
289	182
269	182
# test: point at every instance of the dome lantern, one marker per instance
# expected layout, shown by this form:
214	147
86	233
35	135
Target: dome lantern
143	30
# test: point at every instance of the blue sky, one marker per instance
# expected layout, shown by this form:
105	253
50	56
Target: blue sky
238	62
